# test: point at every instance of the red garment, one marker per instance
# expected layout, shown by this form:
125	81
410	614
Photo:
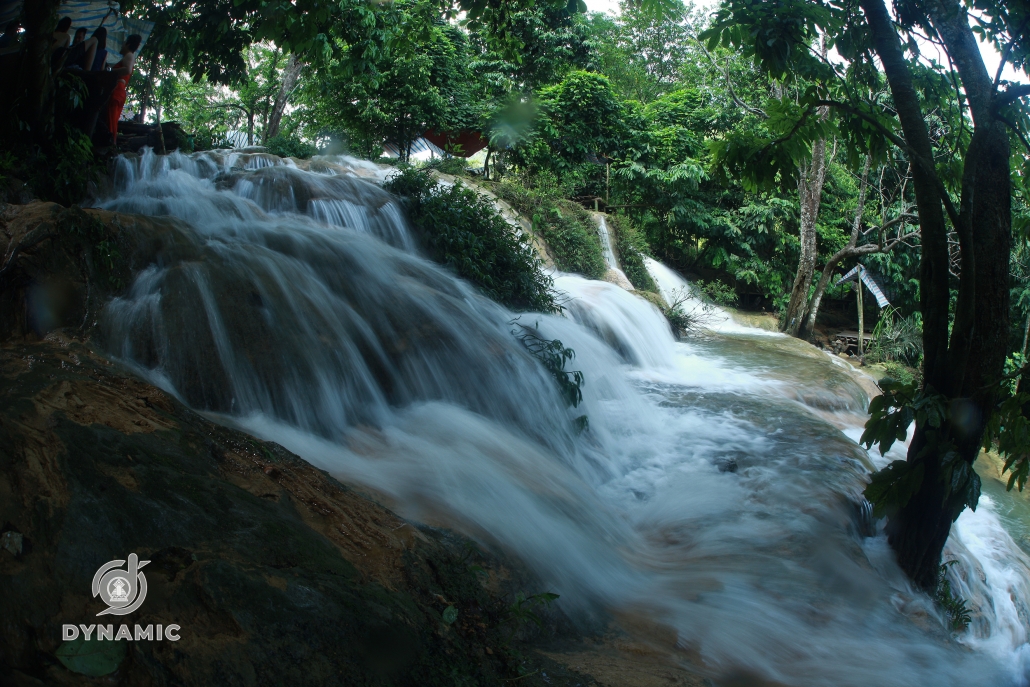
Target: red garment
116	103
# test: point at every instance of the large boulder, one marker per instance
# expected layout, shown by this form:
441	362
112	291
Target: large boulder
274	572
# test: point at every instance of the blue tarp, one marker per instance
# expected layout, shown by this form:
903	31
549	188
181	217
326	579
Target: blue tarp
870	283
89	14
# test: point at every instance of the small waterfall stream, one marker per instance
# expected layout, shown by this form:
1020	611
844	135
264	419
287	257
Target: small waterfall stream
615	273
716	493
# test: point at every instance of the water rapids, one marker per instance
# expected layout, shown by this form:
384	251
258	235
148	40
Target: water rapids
717	491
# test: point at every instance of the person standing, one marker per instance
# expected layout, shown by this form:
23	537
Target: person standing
122	70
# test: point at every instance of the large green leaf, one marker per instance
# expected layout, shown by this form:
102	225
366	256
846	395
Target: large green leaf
91	658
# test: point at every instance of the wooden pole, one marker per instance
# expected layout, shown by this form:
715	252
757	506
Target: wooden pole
861	314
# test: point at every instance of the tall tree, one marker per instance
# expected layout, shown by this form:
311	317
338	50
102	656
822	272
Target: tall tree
811	177
925	494
287	85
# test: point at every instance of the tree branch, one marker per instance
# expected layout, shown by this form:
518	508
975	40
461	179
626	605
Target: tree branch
729	82
928	167
1012	94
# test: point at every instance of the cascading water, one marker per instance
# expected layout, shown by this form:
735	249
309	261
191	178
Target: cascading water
717	491
614	271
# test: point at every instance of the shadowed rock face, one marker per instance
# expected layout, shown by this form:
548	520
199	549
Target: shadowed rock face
276	573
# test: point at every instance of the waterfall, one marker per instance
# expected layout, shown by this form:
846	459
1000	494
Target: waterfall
715	493
615	273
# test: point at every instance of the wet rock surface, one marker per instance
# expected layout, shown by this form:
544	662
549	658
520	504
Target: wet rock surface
275	572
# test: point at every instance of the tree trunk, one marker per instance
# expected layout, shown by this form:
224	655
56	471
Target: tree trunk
250	127
850	250
810	188
148	94
162	149
966	368
290	76
39	19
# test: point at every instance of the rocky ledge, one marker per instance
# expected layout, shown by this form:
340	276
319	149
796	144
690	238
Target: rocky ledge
274	572
267	570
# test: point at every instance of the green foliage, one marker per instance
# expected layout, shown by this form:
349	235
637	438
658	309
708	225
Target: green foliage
290	146
105	257
631	246
903	374
455	166
686	322
92	658
63	170
890	415
569	230
521	610
891	488
897	339
421	80
718	292
463	231
643	53
554	356
953	606
580	120
1008	428
210	112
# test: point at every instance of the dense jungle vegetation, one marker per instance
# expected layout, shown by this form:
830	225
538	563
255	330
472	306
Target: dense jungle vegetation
765	148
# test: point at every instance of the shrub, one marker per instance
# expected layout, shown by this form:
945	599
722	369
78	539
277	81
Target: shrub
902	373
631	247
553	355
684	322
462	230
455	166
953	605
568	229
896	339
718	292
290	146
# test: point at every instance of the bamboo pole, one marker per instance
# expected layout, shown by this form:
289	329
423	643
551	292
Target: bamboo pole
861	314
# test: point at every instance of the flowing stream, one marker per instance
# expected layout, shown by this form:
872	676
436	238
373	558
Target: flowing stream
717	491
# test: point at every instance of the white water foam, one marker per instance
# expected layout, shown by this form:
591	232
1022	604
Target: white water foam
714	492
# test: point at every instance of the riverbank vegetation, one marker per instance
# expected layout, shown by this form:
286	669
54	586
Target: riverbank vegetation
765	148
461	230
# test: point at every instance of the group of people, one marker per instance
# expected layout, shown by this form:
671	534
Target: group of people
86	58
